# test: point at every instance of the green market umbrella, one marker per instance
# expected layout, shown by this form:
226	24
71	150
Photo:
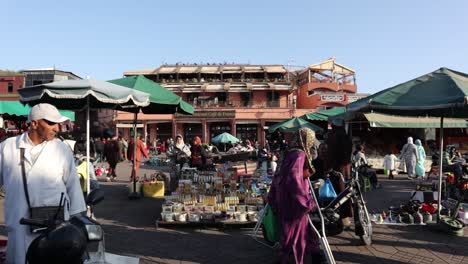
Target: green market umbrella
224	138
162	101
15	108
294	124
84	94
442	93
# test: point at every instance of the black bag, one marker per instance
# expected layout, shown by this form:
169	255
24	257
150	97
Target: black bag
42	212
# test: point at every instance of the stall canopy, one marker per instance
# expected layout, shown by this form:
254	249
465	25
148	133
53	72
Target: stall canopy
15	108
324	114
294	124
443	92
393	121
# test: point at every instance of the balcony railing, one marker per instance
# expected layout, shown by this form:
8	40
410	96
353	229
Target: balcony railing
237	104
224	80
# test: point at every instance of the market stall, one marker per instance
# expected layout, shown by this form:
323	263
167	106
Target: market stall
230	195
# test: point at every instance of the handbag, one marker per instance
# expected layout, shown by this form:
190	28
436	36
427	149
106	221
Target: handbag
327	192
41	212
271	226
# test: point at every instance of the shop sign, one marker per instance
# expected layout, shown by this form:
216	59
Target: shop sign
209	114
332	97
353	98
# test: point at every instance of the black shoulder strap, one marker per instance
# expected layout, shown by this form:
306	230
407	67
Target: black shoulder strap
23	171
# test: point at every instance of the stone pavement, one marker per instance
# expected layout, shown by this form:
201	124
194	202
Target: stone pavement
130	230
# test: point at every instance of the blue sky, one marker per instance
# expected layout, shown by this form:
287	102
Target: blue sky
386	42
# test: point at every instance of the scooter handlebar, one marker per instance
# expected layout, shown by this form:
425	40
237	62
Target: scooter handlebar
33	222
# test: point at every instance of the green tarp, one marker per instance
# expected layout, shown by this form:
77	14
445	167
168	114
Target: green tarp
443	92
18	109
294	124
162	101
323	115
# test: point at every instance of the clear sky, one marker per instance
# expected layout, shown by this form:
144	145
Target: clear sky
386	42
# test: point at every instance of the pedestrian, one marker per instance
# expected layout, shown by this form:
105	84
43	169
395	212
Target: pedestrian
291	200
99	145
181	152
360	163
339	159
29	182
420	171
80	146
389	165
121	148
125	148
112	154
141	151
410	155
198	157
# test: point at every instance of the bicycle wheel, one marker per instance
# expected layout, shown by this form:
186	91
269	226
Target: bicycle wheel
362	221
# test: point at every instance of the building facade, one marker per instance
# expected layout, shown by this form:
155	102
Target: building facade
243	100
47	75
10	82
326	85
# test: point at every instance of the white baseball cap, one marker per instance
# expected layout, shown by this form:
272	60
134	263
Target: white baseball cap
47	112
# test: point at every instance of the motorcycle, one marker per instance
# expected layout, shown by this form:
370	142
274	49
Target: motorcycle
79	240
329	213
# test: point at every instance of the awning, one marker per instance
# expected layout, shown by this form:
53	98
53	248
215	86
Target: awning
188	69
165	69
274	69
392	121
18	109
210	69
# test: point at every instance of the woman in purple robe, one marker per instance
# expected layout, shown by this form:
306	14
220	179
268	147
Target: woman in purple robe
290	198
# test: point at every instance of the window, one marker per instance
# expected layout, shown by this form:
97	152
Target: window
273	99
245	99
10	87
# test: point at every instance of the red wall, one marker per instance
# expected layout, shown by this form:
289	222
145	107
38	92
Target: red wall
18	82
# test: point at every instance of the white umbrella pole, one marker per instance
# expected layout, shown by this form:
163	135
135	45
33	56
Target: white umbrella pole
439	198
87	147
134	154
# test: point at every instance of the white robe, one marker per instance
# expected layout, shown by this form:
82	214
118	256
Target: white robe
53	172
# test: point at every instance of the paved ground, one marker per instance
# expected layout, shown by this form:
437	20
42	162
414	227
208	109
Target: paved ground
130	230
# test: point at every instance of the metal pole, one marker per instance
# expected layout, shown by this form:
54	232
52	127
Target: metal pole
439	194
134	154
87	147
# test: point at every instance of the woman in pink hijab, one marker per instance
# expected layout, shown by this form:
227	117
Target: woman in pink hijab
290	198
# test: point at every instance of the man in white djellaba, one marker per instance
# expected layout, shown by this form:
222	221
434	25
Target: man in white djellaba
49	170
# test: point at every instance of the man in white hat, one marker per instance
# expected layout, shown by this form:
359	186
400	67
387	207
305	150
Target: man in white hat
49	170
